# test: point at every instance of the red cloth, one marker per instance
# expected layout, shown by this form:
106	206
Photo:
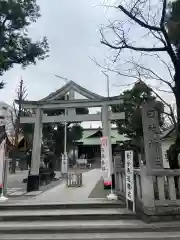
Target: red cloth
107	183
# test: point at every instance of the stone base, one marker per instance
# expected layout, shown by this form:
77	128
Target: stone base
33	183
157	214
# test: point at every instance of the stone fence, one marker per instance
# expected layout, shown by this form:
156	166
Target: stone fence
157	193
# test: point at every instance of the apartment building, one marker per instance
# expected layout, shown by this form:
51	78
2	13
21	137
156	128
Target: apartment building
6	114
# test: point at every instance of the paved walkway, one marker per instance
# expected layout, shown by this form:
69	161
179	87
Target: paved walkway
16	187
63	194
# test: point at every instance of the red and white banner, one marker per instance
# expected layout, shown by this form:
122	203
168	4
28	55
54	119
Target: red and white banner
105	160
2	159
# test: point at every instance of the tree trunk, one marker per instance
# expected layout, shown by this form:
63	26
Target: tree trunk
177	97
175	150
13	170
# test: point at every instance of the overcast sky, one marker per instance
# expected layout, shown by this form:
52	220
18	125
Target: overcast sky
71	27
72	31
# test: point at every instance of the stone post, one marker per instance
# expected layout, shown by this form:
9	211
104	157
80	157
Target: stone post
151	132
147	189
153	154
33	178
118	165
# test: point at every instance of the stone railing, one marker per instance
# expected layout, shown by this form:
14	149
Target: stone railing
156	192
120	183
166	185
138	186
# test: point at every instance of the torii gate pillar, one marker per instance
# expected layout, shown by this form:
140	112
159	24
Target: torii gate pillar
33	178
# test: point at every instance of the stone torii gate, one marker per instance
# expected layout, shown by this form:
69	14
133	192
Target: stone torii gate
52	102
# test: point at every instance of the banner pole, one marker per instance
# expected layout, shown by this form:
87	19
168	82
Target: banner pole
2	197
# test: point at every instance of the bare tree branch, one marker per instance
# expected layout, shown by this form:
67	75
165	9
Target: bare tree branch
171	114
170	70
154	75
14	109
126	46
137	77
138	21
115	71
162	90
13	121
163	13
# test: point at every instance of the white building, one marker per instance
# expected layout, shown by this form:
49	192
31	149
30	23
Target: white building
6	114
167	139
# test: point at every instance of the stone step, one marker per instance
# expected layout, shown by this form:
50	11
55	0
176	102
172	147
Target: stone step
95	236
67	214
87	227
97	203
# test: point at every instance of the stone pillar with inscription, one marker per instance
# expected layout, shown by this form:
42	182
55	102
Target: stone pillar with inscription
153	153
151	132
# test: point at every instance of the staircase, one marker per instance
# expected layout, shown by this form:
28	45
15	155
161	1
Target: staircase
91	220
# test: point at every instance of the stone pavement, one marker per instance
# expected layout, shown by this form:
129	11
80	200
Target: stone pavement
63	194
16	188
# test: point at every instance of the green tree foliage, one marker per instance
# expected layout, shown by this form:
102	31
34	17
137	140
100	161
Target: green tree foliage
133	99
74	133
1	85
16	46
53	134
173	23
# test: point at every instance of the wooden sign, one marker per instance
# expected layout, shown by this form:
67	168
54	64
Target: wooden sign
129	175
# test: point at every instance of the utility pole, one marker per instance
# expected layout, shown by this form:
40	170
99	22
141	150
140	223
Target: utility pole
107	82
65	123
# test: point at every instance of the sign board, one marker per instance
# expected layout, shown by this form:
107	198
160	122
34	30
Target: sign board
129	176
2	160
105	159
151	132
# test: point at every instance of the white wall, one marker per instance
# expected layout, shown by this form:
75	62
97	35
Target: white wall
166	143
6	110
